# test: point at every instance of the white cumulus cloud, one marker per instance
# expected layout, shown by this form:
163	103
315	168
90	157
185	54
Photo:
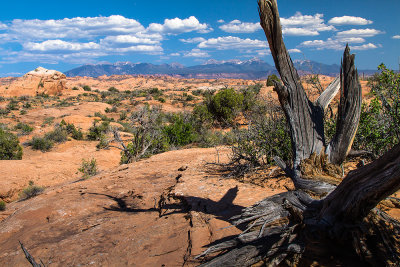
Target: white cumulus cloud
60	45
396	36
177	26
236	26
336	43
231	42
294	50
303	25
364	47
196	53
359	33
349	20
193	40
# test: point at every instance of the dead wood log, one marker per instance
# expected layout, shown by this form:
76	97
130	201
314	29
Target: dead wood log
294	227
30	258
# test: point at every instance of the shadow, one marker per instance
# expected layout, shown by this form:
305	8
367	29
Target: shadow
122	205
223	209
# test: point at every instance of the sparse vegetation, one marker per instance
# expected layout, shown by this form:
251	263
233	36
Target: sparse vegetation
31	191
41	143
2	205
24	128
9	146
97	130
88	168
86	88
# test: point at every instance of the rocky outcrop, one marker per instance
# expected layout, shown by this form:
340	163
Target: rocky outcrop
38	81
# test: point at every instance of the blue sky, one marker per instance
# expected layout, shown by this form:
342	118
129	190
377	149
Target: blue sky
65	34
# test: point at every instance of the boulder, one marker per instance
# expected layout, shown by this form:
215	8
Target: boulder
38	81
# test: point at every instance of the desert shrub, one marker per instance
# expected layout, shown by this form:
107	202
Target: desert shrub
75	88
148	139
4	111
2	205
161	99
225	105
9	146
13	104
180	132
272	78
266	137
41	143
113	90
379	127
23	112
103	142
74	132
31	191
48	121
87	88
97	130
24	128
123	115
88	168
202	117
58	135
27	105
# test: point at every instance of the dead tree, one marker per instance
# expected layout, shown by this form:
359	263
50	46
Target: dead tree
306	119
341	228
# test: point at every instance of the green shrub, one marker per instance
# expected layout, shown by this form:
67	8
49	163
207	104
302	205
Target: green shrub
88	168
113	90
179	132
74	132
87	88
75	88
58	135
24	128
9	146
97	130
271	78
41	143
2	205
225	105
148	138
379	127
13	104
31	191
266	137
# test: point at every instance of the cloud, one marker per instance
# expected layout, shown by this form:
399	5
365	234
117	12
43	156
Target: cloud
196	53
294	50
193	40
148	49
230	42
74	28
334	44
60	45
3	26
177	26
221	21
364	47
349	20
396	37
126	40
359	33
175	54
236	26
303	25
299	32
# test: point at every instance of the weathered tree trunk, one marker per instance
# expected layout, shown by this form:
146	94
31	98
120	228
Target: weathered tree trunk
344	228
306	119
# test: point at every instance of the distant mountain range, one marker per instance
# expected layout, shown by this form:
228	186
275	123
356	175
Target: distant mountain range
250	69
